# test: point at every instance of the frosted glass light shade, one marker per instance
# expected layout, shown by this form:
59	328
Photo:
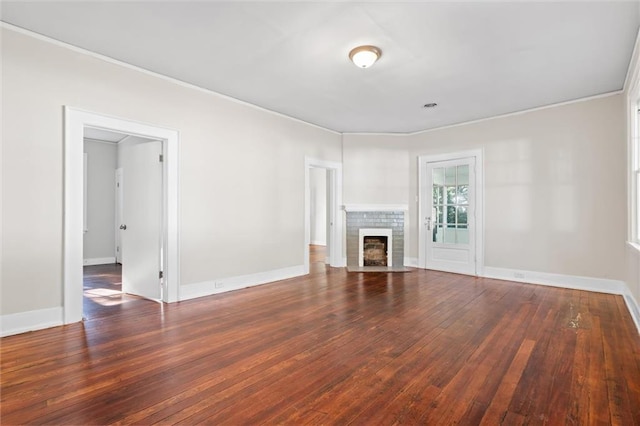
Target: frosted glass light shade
364	56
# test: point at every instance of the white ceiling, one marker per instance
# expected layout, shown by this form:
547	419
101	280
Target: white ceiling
475	59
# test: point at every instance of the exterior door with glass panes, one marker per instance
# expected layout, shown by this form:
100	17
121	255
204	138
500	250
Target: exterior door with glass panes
450	216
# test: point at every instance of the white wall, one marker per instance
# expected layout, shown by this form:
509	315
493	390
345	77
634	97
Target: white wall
376	169
241	168
552	180
99	240
318	205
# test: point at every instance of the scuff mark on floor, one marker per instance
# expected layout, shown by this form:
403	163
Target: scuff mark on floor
575	319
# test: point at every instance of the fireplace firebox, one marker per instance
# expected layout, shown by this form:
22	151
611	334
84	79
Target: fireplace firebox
375	251
375	247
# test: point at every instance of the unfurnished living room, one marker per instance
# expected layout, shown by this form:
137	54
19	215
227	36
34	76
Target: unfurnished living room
305	212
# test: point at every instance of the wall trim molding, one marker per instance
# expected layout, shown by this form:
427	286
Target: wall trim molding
600	285
98	261
634	63
633	306
23	322
222	285
376	207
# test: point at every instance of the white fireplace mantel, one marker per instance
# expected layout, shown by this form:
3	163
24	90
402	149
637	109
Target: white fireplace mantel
375	207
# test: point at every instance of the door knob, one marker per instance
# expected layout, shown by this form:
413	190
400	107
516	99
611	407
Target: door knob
123	227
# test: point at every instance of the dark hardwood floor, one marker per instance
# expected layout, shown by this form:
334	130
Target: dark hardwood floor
103	295
317	254
333	347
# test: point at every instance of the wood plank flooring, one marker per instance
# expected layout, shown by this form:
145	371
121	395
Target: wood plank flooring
333	347
103	295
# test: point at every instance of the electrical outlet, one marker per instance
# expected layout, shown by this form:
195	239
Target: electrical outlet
519	275
218	284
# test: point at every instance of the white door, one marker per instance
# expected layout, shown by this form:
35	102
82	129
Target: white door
119	184
141	218
330	211
449	207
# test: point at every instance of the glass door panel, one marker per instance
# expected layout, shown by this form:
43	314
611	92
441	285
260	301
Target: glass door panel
450	201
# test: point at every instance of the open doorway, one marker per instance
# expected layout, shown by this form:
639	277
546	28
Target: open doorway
166	162
111	280
323	193
319	225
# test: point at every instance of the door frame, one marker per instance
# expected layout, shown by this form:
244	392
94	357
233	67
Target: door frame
423	191
75	120
334	218
119	183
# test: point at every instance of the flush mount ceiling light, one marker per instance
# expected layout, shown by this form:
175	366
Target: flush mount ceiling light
365	56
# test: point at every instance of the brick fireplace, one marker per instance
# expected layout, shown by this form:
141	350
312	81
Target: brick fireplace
375	237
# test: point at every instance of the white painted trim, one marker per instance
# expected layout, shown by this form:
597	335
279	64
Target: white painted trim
98	261
75	121
376	207
631	76
153	74
634	246
207	288
30	321
100	141
600	285
336	217
411	262
85	190
478	154
375	232
318	243
633	306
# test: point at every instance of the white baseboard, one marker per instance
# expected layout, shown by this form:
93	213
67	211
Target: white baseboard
30	321
411	262
98	261
633	306
207	288
600	285
318	243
